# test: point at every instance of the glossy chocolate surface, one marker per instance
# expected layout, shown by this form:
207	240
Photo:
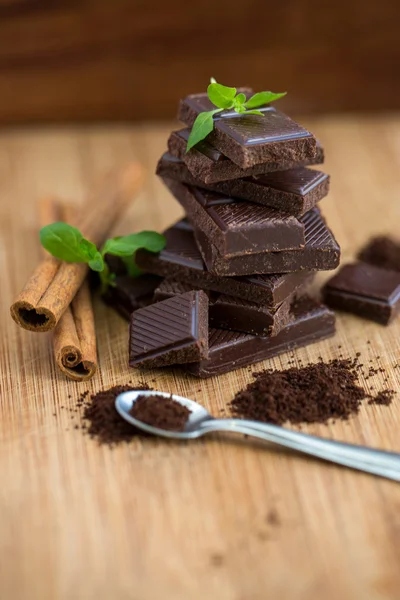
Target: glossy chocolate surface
128	294
320	253
237	227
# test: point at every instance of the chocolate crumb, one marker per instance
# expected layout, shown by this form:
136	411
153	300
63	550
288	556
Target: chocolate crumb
217	560
272	518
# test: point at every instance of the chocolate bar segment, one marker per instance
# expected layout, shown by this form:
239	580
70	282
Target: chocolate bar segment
237	228
293	192
174	331
171	287
320	253
365	290
235	314
182	260
209	165
128	294
229	350
228	312
250	140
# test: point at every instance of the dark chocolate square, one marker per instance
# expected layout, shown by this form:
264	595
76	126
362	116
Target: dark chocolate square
365	290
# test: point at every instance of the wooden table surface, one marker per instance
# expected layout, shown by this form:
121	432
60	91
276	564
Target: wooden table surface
223	519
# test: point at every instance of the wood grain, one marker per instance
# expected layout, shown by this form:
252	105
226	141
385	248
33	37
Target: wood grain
154	519
95	59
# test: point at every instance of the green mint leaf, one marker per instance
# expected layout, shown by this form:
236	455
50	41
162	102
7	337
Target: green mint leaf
262	98
202	126
240	98
97	262
128	244
220	95
88	249
254	112
64	242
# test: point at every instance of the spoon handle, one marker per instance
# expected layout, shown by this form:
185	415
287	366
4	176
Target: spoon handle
379	462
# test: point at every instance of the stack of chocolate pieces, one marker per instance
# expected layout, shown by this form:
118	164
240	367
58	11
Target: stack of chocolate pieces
233	275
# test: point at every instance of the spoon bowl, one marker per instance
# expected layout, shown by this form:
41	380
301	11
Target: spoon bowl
200	422
198	414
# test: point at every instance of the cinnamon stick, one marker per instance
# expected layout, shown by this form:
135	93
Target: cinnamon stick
53	285
74	338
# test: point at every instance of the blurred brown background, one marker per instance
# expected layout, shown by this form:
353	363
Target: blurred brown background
78	60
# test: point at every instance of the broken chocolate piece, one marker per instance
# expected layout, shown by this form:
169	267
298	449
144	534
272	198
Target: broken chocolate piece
320	253
182	260
293	192
128	294
235	227
173	331
229	350
250	140
209	165
365	290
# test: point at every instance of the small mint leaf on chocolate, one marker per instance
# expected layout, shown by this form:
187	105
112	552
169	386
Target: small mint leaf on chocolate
262	98
202	126
240	99
221	95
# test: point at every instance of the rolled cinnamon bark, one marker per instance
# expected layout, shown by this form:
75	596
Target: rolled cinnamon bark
53	285
74	338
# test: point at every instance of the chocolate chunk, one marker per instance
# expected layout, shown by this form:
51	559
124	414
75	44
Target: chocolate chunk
171	287
321	253
235	227
228	312
250	140
293	192
171	332
182	260
228	350
383	252
235	314
365	290
209	165
128	294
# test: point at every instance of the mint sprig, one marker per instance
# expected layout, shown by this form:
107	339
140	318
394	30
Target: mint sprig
226	98
67	243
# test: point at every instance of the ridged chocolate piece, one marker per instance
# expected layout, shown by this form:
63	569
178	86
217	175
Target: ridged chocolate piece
229	350
365	290
181	260
321	253
250	140
208	165
235	227
174	331
128	294
292	192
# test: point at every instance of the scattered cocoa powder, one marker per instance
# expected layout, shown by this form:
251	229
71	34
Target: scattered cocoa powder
384	398
103	422
383	252
311	394
161	412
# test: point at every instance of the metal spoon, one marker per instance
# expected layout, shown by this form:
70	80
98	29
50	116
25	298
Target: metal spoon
200	422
